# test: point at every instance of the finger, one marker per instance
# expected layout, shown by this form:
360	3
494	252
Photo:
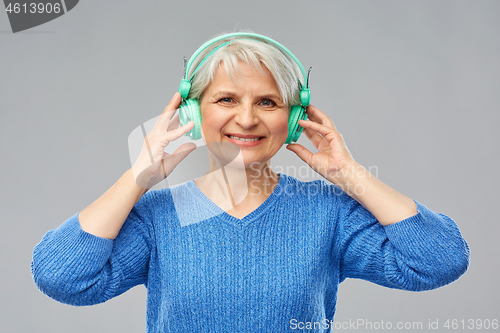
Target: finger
162	123
313	136
174	123
174	103
184	150
170	161
321	129
178	132
302	152
316	115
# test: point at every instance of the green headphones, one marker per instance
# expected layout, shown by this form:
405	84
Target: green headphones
190	109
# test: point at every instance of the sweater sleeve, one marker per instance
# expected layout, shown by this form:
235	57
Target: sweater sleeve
422	252
78	268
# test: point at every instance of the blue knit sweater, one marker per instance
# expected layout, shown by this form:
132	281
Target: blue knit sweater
207	271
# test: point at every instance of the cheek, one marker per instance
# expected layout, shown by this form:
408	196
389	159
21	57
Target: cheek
211	120
283	124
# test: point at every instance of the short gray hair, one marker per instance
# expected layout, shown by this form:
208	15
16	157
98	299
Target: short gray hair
256	53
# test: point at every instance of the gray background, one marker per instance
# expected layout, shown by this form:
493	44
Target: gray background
413	86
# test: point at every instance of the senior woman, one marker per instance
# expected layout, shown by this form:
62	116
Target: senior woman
260	251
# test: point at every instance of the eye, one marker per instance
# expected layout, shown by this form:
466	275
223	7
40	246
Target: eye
225	100
267	103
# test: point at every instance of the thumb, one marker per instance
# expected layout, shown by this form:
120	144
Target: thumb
301	151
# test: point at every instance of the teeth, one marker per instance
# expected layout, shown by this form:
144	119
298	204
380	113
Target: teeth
236	138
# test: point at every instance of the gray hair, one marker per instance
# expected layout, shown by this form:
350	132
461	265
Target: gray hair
254	52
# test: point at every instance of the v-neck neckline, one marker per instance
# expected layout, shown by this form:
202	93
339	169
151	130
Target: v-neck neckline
198	195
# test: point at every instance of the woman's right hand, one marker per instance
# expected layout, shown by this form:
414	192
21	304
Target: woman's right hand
154	164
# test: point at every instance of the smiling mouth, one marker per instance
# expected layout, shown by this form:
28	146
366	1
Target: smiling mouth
243	139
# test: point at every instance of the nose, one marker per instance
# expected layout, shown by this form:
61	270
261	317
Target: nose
246	116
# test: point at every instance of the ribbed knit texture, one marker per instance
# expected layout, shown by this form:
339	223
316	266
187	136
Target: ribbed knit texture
207	271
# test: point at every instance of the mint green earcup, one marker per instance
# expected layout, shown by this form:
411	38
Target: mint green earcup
190	110
297	113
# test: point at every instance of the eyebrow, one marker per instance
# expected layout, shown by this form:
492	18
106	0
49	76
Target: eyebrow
225	93
233	94
271	96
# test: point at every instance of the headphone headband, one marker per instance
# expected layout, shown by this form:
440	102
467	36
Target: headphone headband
241	34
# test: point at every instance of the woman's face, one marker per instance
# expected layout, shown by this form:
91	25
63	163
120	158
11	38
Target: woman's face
248	107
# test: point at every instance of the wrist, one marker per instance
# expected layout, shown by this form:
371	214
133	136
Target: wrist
351	178
137	190
385	203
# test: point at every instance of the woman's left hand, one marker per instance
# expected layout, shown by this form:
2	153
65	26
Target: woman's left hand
333	159
334	162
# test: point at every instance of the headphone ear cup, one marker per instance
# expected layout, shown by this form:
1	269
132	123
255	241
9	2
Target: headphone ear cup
297	112
190	110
